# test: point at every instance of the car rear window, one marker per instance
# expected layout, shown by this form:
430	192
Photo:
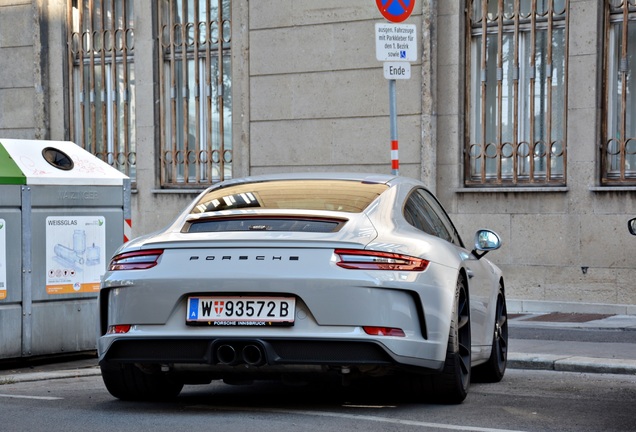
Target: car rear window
264	224
335	195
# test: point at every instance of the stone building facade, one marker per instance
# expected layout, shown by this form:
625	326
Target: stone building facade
528	133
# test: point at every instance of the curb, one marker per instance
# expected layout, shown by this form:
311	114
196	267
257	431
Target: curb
42	376
544	306
560	363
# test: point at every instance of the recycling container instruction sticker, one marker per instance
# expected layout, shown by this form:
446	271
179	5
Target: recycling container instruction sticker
3	260
75	253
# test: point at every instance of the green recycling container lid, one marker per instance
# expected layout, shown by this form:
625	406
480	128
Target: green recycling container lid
10	173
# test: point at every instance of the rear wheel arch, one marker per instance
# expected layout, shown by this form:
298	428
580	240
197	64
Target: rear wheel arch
450	385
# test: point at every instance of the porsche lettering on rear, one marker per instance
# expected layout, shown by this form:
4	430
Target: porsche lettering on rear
245	258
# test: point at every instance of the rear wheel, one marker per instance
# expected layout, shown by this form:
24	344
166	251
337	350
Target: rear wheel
450	386
493	370
127	382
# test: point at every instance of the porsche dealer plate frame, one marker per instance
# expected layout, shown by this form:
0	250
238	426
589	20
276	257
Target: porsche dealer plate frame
241	311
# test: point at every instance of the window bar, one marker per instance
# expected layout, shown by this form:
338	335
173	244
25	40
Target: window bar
623	72
533	53
484	40
500	49
208	90
162	91
82	96
467	158
564	115
605	158
165	44
197	102
103	106
112	149
112	97
173	95
548	111
91	74
220	91
126	86
467	96
70	60
515	91
184	82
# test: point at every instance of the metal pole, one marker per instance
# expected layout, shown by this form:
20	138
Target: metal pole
395	161
27	281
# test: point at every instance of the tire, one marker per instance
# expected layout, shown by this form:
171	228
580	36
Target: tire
128	382
451	385
493	370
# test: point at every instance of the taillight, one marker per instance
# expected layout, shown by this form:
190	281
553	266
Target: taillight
119	329
384	331
374	260
137	260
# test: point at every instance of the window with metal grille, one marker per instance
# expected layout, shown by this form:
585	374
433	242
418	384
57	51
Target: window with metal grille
195	92
100	44
618	149
517	95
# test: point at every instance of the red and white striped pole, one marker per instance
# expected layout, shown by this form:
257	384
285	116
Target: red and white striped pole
127	230
395	160
127	188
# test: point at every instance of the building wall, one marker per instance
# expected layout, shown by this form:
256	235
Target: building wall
569	244
18	77
309	95
318	97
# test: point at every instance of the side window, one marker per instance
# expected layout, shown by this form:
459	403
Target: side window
442	222
423	217
414	213
424	212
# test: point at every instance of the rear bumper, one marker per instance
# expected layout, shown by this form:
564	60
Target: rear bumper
262	353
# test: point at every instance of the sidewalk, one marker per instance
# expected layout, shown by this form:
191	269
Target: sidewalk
613	351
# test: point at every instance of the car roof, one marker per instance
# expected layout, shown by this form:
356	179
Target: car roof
361	177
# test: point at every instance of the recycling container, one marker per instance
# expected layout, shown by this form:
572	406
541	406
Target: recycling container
63	213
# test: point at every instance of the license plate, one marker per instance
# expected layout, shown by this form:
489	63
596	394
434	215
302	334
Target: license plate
241	311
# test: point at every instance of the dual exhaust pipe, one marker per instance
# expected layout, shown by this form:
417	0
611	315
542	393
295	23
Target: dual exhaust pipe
249	354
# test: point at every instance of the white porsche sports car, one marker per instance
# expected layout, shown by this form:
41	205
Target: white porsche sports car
285	276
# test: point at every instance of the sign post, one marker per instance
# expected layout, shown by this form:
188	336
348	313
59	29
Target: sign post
396	46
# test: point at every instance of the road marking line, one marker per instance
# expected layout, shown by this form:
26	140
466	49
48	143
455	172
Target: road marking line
30	397
396	421
373	418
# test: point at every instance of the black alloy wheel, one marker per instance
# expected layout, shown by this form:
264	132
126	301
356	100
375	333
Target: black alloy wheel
451	385
493	370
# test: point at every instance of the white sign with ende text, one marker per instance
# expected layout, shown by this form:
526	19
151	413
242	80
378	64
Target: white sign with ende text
397	70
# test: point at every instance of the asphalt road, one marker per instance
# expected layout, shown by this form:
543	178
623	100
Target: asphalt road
523	401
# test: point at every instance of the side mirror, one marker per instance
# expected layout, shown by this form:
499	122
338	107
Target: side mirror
631	226
486	241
